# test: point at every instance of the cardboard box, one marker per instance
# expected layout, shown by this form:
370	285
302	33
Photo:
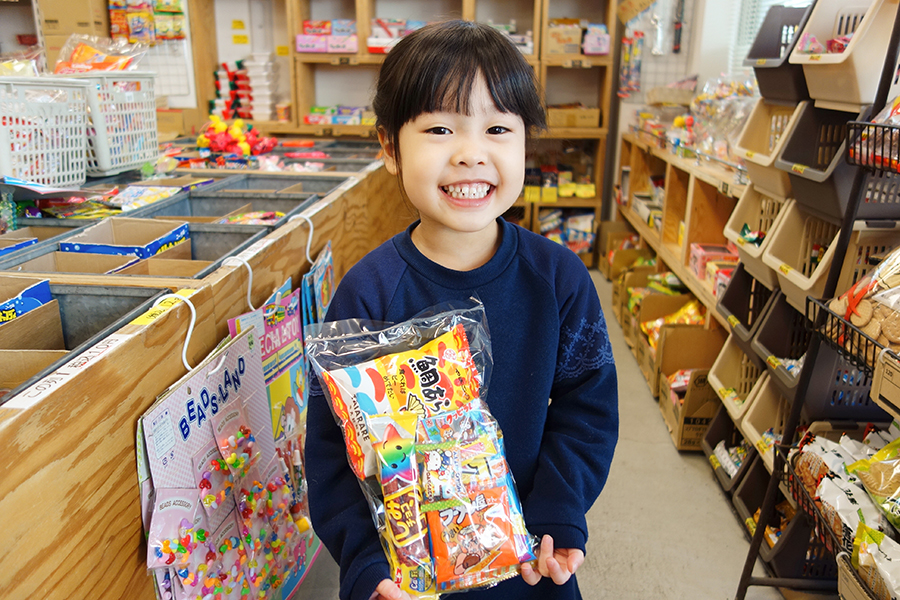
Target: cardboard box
20	365
703	253
35	231
11	245
563	39
343	43
40	329
170	120
885	389
76	262
573	117
687	422
622	259
653	307
312	43
626	279
65	17
53	45
163	267
611	234
20	295
122	235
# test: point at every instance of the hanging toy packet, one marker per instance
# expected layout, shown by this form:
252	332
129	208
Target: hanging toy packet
428	453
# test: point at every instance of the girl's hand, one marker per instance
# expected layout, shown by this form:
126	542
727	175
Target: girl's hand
388	590
558	564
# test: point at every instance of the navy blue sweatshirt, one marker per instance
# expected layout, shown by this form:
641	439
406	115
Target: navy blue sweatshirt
549	342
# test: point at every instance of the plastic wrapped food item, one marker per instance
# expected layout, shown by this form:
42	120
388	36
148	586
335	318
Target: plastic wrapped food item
22	63
720	112
427	451
876	558
689	314
84	53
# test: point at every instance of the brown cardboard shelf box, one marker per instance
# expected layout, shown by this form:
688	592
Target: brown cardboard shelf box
563	38
573	117
629	278
123	235
687	421
75	262
64	17
611	234
653	307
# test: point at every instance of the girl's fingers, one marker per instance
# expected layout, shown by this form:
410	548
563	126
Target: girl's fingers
529	575
546	554
389	590
576	559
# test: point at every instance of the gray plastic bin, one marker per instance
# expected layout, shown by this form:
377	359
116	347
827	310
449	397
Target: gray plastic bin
777	78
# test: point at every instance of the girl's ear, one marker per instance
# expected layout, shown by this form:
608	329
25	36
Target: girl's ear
390	159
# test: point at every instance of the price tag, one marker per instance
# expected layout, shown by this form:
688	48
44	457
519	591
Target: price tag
239	40
162	308
773	361
760	62
815	57
762	446
714	461
749	154
798	169
741	241
723	393
785	268
733	321
751	525
237	25
282	50
724	188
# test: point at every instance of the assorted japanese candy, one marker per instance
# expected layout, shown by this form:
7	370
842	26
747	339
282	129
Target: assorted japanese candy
411	402
731	459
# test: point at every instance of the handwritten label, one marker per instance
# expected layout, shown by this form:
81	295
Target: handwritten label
237	25
282	50
798	169
162	308
49	384
785	268
255	249
239	40
773	361
733	321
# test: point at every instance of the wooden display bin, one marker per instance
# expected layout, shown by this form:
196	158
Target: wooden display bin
687	421
631	277
653	307
610	235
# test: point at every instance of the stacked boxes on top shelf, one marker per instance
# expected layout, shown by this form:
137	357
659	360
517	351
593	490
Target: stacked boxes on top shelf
231	89
262	75
337	36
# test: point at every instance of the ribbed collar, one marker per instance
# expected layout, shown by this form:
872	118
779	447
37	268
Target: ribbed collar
509	242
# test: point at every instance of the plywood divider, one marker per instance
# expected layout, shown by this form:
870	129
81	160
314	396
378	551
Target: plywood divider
69	479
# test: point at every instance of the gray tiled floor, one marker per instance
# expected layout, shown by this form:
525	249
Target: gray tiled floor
661	530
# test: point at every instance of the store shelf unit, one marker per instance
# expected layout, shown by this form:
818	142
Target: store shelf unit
698	200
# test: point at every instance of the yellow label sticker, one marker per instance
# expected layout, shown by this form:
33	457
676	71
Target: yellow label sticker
162	308
240	39
760	62
723	393
750	154
532	194
798	169
815	57
773	361
237	25
714	461
751	525
741	241
282	50
785	268
762	446
733	321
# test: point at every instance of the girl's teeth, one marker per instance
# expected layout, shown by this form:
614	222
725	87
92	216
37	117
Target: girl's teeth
470	191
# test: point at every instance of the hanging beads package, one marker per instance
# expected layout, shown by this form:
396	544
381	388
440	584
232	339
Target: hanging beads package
411	400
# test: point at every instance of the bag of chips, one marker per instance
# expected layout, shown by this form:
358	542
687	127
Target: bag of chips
429	456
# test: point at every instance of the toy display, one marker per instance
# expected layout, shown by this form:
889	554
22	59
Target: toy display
238	138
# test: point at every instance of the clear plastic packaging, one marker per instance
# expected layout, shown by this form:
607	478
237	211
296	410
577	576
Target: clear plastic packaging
84	53
429	456
22	63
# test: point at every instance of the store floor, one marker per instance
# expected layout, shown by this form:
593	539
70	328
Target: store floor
661	530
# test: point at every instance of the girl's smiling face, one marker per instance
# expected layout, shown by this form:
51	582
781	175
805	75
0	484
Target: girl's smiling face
461	171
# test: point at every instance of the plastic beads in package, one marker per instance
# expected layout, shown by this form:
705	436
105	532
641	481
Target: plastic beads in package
410	399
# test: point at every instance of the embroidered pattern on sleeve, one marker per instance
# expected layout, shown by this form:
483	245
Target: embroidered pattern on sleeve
584	348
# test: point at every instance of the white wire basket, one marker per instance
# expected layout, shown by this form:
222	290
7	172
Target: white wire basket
121	131
43	130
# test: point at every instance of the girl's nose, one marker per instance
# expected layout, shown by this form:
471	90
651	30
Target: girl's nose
469	153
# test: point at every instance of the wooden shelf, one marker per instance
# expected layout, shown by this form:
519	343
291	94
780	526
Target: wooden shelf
570	203
667	253
339	59
576	61
575	133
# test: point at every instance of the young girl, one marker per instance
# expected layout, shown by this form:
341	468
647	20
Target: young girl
455	103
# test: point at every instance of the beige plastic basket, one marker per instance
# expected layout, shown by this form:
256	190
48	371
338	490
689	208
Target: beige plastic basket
733	377
768	409
790	253
761	140
761	212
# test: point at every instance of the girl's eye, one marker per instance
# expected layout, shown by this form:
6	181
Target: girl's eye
497	129
439	130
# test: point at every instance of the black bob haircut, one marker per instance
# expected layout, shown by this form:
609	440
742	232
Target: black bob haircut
433	69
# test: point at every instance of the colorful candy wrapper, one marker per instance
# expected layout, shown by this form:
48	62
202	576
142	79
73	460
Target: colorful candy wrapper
752	237
439	376
235	440
427	451
808	44
214	481
176	527
232	557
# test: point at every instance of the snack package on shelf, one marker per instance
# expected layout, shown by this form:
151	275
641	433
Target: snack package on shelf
22	63
429	456
880	475
720	112
785	513
876	558
689	314
880	147
872	305
84	53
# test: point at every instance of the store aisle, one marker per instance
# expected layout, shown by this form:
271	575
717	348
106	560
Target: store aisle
661	530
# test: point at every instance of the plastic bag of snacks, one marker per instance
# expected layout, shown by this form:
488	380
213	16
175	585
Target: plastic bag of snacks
429	456
872	305
689	314
878	147
85	53
720	112
876	558
22	63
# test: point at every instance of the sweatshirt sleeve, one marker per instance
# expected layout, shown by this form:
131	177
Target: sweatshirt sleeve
338	508
582	425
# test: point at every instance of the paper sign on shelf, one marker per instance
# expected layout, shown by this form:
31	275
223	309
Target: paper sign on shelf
162	308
